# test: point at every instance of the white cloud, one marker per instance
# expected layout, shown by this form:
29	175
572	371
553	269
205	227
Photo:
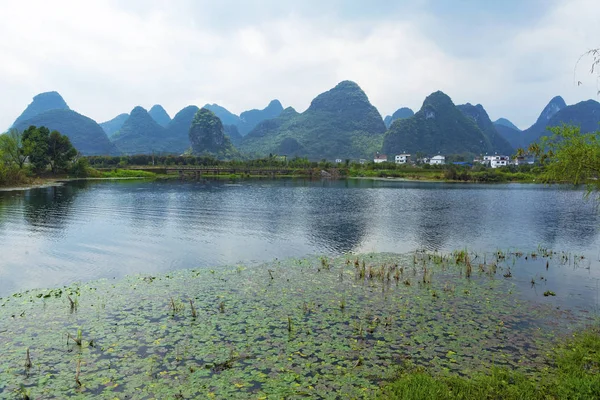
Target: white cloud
105	57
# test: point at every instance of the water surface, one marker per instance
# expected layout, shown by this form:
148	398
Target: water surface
88	230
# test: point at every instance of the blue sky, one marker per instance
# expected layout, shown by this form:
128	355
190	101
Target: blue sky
107	56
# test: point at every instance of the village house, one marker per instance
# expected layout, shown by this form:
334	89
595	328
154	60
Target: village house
494	161
437	160
338	160
380	158
402	159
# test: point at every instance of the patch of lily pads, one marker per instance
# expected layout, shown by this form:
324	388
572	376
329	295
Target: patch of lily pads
313	327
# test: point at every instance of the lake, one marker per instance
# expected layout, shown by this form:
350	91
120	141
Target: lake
83	231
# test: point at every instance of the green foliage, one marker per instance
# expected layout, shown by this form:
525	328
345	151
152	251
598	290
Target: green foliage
80	168
574	374
128	173
11	148
207	135
340	123
10	174
35	146
571	156
60	151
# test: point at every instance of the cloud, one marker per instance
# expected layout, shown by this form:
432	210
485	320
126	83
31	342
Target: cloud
107	56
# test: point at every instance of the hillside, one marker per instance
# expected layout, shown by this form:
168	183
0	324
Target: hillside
207	136
179	128
438	127
83	132
340	123
41	103
401	113
233	134
585	114
538	129
226	117
158	114
140	134
512	136
498	144
113	126
249	119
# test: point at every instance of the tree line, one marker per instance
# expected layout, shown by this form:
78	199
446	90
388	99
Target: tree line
36	151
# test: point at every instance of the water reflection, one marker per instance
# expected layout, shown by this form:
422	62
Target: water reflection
84	230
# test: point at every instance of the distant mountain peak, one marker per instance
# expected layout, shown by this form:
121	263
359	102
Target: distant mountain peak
401	113
275	104
344	95
138	110
41	103
112	126
507	123
158	113
555	105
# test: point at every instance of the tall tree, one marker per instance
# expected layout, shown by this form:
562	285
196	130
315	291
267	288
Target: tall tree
11	147
60	151
570	156
35	146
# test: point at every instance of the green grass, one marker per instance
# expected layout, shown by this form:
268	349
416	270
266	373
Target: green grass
127	173
573	373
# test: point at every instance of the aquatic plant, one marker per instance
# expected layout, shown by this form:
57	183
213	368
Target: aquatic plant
300	335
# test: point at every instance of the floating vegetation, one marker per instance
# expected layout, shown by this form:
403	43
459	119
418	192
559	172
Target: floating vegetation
288	329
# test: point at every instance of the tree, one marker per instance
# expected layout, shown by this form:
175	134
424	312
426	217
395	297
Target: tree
35	146
60	151
11	147
570	156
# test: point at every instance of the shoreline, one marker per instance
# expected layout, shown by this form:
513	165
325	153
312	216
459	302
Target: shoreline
62	182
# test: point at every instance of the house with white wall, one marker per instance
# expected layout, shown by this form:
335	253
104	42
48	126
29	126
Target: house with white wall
380	158
402	159
437	160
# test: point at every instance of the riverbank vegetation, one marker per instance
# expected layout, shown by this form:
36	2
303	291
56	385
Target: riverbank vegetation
346	327
30	154
572	372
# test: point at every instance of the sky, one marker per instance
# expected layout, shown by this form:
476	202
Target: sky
107	56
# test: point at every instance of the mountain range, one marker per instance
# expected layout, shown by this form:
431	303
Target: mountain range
339	123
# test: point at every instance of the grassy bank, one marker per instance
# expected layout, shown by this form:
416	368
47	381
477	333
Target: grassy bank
124	173
447	174
573	372
315	327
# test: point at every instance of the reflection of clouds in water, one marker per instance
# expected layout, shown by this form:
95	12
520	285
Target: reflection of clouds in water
87	231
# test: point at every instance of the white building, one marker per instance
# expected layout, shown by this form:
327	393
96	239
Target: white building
338	160
496	161
402	158
437	160
379	158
